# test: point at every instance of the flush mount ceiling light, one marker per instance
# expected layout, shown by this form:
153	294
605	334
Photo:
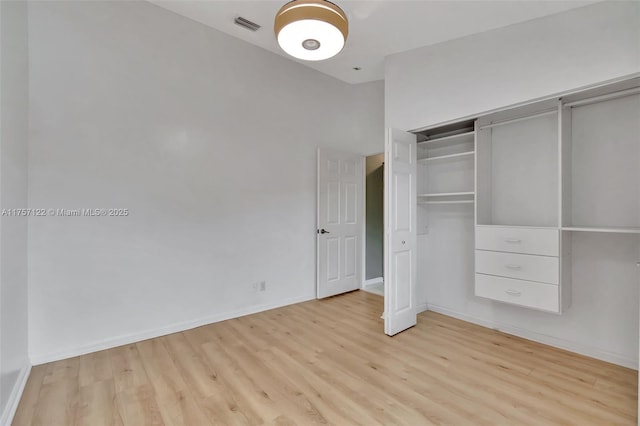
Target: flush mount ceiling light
311	30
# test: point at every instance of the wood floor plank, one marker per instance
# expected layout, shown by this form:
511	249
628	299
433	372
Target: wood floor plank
623	391
357	363
281	392
227	405
57	402
514	348
256	402
160	369
184	410
127	368
375	401
329	362
334	404
138	406
93	368
30	395
197	374
62	370
376	373
175	400
97	405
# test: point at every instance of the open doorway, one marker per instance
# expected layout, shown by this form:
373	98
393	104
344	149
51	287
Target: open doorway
374	230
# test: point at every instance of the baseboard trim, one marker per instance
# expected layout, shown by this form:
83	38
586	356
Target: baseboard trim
37	359
568	345
16	394
372	281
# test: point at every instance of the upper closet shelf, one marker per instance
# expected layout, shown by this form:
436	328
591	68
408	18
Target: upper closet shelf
515	226
448	202
445	194
616	230
443	157
448	140
447	198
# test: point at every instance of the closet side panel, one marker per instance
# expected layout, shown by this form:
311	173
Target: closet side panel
483	176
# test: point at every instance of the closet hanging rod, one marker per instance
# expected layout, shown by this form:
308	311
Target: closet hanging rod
515	120
602	98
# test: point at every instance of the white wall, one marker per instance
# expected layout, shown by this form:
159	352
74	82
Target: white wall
368	99
208	141
491	70
514	64
14	362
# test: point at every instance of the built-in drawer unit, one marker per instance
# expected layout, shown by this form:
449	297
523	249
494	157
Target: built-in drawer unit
520	265
518	240
519	292
543	269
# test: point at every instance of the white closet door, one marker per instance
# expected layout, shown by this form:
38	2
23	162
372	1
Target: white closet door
400	201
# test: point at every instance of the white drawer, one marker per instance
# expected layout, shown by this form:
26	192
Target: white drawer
522	266
518	240
519	292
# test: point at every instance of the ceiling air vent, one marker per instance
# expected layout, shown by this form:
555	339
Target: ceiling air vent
245	23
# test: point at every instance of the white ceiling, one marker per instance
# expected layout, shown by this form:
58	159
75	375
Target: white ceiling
377	28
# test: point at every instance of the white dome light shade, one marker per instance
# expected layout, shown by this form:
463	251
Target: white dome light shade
311	30
297	39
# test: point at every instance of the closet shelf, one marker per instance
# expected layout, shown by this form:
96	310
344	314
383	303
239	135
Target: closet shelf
499	226
446	194
452	139
616	230
442	157
448	202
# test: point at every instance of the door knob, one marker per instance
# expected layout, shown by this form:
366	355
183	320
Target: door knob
324	231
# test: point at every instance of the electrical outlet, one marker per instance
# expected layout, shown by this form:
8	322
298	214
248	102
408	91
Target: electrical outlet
259	286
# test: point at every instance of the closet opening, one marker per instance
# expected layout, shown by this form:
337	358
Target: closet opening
445	214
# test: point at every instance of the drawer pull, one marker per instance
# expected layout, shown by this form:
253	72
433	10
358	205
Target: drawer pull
513	292
513	240
514	267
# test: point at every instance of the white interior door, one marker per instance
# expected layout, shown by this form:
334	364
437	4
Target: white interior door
400	202
340	221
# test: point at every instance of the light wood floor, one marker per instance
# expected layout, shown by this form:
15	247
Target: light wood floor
328	362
